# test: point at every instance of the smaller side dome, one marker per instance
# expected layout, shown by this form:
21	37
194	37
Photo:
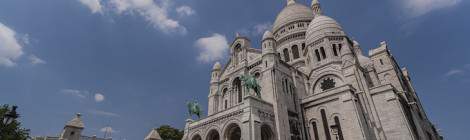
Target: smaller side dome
322	26
267	34
216	66
153	135
76	122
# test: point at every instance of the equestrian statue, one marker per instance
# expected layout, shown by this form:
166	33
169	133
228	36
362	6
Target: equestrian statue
250	83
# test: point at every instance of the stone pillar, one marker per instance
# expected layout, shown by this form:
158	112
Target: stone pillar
186	129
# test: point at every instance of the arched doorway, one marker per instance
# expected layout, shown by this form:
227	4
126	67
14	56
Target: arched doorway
266	133
213	135
197	137
233	132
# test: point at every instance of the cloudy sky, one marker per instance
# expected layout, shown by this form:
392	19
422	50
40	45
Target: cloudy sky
130	65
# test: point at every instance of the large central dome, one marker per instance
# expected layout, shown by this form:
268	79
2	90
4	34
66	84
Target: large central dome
292	12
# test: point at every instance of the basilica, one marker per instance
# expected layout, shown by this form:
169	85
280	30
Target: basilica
315	83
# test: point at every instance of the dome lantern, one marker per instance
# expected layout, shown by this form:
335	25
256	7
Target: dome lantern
316	8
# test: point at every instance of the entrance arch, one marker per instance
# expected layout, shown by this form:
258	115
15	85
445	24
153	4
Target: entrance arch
233	132
266	133
213	135
197	137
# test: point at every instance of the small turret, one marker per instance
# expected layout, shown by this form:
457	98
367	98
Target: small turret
73	129
213	89
268	50
216	72
268	43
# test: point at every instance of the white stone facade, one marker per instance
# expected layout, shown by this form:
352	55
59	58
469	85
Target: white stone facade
315	85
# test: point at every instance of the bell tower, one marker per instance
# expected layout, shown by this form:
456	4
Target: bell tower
213	90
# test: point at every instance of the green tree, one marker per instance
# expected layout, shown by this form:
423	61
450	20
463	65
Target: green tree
169	133
12	131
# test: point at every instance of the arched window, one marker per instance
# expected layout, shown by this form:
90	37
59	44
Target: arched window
334	50
291	89
325	124
338	126
295	51
315	131
213	135
286	55
266	133
237	54
224	96
283	86
197	137
317	54
286	90
323	54
293	94
339	47
237	85
327	83
257	75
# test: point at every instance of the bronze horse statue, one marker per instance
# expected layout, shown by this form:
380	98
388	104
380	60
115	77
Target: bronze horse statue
251	83
194	109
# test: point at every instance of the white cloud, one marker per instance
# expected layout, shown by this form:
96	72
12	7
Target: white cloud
25	39
256	30
211	48
93	5
99	97
74	92
36	60
153	12
10	48
454	72
108	129
261	28
415	8
185	11
467	66
103	113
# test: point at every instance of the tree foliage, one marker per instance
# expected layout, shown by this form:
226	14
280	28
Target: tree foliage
169	133
12	131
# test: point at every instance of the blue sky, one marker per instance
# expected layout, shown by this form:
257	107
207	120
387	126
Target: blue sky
132	64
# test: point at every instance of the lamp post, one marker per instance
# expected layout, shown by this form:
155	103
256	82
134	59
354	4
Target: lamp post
10	116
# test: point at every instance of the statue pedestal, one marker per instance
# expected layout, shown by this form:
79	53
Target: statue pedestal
186	128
